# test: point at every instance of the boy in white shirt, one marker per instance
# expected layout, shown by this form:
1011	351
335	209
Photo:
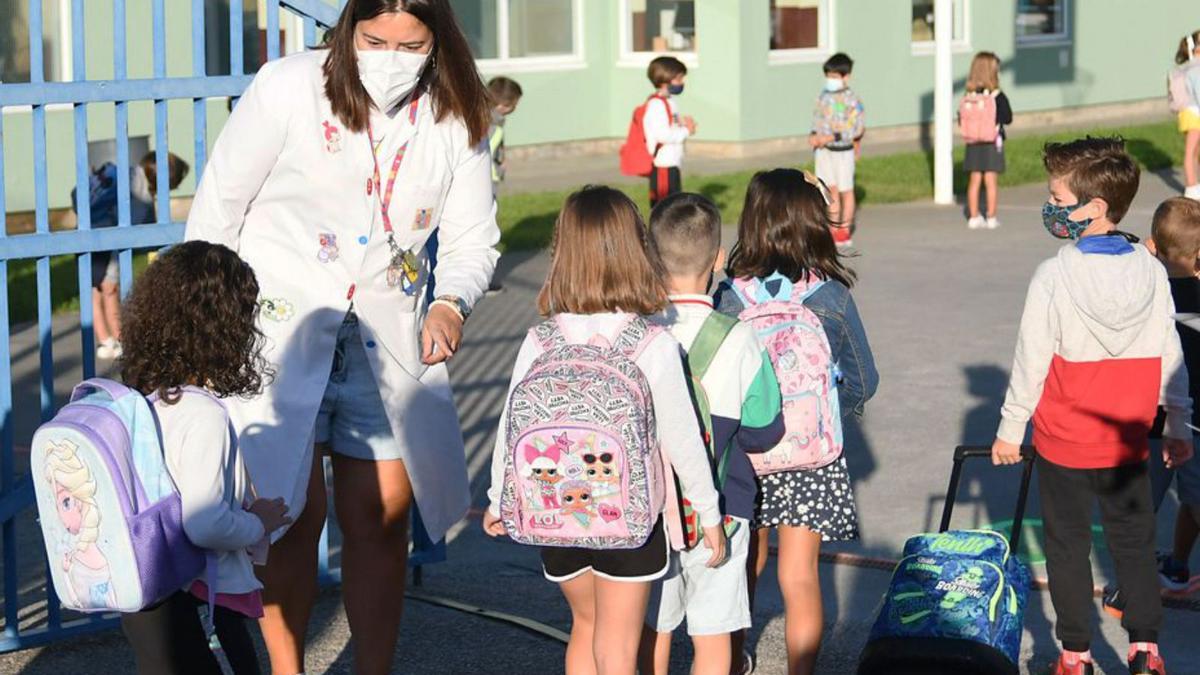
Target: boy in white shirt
744	406
665	129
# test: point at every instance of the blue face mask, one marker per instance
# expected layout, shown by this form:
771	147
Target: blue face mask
1059	225
675	89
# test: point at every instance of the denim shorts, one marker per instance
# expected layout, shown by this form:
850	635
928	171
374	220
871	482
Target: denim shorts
352	419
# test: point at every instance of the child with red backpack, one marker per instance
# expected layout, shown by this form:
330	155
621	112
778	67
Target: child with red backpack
597	405
982	115
1183	94
654	145
787	279
737	398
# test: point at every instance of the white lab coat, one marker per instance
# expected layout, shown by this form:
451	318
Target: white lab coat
286	187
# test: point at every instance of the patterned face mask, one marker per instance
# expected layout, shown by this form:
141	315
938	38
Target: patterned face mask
1058	223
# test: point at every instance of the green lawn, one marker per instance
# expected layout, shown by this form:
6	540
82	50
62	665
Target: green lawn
527	220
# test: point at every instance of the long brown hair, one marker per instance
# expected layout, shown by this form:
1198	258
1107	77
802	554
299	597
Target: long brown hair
451	78
603	259
985	73
785	228
1184	53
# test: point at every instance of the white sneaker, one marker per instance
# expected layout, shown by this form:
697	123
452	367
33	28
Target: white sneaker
109	350
976	223
992	222
1192	192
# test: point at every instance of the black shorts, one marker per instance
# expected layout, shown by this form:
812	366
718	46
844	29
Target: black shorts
639	564
664	182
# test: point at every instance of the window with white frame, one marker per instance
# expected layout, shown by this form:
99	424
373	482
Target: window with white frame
800	30
923	25
15	59
1042	21
520	29
657	26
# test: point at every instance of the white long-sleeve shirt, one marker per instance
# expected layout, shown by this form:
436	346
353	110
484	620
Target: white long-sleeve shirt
199	446
664	130
678	430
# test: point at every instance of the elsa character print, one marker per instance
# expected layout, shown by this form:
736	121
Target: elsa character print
89	581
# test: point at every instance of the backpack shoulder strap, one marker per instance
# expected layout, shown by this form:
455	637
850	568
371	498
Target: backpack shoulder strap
812	288
549	334
708	342
633	338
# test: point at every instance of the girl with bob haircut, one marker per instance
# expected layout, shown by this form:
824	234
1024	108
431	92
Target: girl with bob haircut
605	275
784	232
338	172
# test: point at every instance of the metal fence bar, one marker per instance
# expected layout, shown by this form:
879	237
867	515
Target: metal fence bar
101	91
74	242
7	468
199	103
162	189
83	207
272	31
237	50
310	32
120	71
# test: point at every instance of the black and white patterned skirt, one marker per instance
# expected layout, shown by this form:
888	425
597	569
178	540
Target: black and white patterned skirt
820	499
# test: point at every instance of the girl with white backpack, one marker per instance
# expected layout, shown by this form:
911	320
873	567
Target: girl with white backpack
597	407
786	279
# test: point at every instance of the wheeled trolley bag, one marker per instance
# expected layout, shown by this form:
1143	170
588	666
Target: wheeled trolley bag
957	597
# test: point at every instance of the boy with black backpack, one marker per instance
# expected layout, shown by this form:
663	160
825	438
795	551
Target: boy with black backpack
738	400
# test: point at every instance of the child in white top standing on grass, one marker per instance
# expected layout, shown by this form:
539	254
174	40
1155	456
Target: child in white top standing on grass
191	339
784	240
665	129
604	277
735	381
1184	92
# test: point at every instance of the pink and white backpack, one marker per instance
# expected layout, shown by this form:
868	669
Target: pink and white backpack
798	348
583	467
977	117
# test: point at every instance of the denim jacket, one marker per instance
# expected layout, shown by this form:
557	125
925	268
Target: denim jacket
834	306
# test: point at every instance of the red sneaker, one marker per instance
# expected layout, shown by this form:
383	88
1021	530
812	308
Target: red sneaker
1144	660
1074	663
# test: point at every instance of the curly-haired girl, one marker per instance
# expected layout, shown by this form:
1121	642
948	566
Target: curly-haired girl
191	338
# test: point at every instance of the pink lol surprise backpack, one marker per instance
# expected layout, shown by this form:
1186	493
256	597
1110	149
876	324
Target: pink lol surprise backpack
977	117
583	467
796	344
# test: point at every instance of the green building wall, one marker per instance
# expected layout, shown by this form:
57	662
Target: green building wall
1117	51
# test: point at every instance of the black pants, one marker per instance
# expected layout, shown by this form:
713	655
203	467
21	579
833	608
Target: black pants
664	182
169	639
1068	499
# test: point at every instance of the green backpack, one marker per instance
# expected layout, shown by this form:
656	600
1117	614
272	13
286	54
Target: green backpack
699	358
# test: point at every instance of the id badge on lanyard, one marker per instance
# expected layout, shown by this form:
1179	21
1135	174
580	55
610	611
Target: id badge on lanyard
404	268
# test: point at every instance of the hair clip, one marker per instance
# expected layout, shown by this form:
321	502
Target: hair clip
820	185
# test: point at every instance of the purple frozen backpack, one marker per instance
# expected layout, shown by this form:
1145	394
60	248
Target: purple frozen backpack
111	517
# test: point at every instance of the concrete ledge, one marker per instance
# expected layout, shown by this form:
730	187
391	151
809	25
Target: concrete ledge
916	136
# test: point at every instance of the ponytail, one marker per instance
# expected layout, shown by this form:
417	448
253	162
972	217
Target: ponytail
1187	47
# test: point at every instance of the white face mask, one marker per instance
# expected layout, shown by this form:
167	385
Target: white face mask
388	76
834	84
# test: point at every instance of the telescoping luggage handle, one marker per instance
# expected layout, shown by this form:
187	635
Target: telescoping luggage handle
964	452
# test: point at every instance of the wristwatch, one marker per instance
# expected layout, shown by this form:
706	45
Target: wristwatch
460	305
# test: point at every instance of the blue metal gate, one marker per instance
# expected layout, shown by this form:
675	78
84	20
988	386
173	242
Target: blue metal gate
16	492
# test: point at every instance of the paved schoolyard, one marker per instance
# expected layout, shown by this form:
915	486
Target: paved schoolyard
940	305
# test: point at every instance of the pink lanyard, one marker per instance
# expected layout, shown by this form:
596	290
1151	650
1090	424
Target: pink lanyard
385	196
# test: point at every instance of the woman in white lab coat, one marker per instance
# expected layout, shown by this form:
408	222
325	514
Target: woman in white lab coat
336	170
